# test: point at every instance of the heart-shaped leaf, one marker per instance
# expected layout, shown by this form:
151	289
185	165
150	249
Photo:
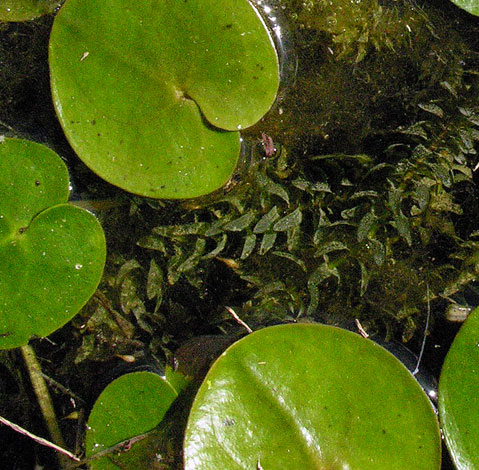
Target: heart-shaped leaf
51	253
129	406
141	89
459	395
310	397
22	10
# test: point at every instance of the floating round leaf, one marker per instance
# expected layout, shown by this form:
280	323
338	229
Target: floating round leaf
146	92
22	10
459	395
51	253
310	397
129	406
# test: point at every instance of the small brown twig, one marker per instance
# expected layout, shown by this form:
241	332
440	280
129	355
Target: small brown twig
120	447
360	328
238	320
39	440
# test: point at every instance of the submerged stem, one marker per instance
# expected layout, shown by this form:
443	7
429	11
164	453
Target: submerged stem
44	399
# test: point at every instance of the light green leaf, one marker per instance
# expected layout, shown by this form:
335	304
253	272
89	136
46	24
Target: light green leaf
23	10
129	406
459	395
310	397
145	91
470	6
52	254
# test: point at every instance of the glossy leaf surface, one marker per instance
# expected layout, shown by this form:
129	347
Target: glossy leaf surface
310	397
129	406
145	91
459	395
51	253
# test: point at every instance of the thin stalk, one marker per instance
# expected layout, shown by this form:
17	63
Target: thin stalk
37	439
44	400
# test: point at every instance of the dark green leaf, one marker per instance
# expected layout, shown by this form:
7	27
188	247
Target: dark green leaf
240	223
330	247
266	221
267	242
219	248
271	187
249	244
289	221
172	231
365	226
432	108
292	258
154	282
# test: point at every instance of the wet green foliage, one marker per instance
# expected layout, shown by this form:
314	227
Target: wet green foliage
363	67
370	197
335	234
352	220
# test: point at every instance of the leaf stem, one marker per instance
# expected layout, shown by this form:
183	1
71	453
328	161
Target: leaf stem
44	400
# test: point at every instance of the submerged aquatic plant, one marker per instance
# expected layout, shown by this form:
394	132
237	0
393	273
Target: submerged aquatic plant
365	203
354	217
316	237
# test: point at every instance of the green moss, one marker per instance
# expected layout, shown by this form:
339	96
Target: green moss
365	204
363	68
368	200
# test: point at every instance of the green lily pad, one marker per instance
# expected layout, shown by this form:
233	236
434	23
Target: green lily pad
147	91
471	6
51	253
23	10
459	395
129	406
310	397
